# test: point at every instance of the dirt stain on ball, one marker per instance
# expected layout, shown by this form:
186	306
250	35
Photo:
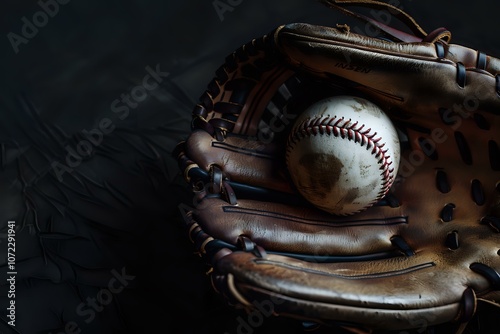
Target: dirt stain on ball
350	196
323	172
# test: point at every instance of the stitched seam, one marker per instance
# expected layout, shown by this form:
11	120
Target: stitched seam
340	127
393	273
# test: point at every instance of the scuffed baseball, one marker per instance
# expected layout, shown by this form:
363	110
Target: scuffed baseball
343	154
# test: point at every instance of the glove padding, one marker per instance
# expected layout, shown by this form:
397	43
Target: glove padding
425	255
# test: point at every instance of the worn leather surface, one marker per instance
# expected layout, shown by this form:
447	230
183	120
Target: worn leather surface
427	251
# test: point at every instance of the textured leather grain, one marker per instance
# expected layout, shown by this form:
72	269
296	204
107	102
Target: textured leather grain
428	252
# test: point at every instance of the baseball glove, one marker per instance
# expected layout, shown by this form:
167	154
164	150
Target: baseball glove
426	255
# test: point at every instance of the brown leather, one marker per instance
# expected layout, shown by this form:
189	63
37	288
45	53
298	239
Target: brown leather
427	253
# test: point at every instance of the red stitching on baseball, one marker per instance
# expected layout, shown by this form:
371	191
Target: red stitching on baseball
339	127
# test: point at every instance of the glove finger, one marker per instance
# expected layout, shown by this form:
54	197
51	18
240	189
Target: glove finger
376	67
391	291
284	228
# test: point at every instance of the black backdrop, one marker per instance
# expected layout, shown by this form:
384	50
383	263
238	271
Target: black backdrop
102	249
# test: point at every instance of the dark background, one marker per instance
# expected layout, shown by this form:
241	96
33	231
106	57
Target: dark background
117	210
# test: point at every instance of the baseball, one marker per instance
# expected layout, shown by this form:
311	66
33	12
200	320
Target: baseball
343	154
